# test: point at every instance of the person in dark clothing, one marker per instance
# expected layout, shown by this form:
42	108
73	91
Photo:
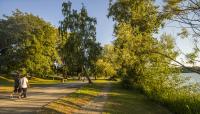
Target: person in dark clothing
16	84
17	88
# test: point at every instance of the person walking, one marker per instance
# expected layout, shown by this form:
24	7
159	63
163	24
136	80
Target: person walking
17	88
24	85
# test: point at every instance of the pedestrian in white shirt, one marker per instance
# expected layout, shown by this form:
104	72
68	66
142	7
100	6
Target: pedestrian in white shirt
24	86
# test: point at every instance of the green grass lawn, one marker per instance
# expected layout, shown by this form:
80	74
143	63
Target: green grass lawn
33	81
122	101
6	83
38	81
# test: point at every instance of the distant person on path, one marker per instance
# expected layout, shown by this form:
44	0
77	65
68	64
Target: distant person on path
24	85
17	88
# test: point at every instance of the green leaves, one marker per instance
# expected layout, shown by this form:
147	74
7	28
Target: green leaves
136	14
186	13
81	49
138	52
31	42
184	33
104	68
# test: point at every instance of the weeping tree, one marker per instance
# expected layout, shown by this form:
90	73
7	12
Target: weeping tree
81	49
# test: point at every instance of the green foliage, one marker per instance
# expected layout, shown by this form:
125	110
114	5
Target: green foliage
186	13
191	57
172	7
31	43
184	33
81	50
23	72
138	51
107	65
104	68
133	30
126	83
145	62
136	13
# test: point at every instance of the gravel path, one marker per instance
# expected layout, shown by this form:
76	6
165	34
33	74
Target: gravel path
96	105
37	97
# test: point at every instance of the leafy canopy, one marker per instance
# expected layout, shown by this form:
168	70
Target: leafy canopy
31	43
81	49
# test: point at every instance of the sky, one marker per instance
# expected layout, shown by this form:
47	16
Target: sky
50	10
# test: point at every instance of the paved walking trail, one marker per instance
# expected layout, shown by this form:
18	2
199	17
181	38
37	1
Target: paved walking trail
37	97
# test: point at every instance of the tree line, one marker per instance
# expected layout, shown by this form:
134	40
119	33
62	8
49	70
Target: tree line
34	46
136	56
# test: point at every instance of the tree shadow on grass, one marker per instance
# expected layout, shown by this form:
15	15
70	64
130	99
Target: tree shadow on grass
131	101
71	102
48	111
18	110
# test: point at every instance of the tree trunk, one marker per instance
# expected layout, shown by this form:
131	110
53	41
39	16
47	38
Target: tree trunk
79	77
86	75
89	80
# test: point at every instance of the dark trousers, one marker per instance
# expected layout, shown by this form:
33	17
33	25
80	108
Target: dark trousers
24	90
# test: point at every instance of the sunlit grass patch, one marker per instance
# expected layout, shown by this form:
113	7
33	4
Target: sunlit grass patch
5	81
122	101
6	84
6	89
74	101
35	80
8	81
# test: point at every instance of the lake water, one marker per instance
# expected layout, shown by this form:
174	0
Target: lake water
193	77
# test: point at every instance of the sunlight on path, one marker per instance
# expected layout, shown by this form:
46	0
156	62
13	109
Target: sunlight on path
96	105
37	97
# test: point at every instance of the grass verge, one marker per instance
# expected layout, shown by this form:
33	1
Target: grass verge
74	101
6	84
119	101
122	101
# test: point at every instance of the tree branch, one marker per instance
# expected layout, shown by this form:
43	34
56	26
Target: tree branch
193	70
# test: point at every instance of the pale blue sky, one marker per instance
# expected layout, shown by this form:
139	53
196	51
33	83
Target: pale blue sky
50	10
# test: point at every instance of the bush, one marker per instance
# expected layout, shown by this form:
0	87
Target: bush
179	101
126	83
